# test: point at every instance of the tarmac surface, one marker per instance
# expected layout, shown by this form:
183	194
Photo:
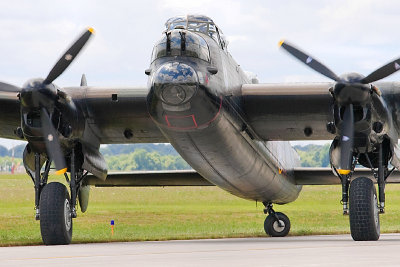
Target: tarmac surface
338	250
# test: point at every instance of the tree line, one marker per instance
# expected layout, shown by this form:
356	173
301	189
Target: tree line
129	157
141	159
314	155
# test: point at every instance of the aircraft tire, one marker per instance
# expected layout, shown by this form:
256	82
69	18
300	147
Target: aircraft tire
364	212
55	215
272	227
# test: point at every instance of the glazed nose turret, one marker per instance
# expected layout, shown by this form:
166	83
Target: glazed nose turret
175	83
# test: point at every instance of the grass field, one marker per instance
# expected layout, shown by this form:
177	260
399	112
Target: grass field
178	213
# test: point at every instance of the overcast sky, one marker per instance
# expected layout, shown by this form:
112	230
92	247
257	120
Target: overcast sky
347	35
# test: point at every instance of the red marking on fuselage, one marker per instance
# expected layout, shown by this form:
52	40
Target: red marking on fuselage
219	111
195	125
180	117
166	119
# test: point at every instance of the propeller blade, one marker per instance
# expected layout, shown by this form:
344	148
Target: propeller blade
382	72
309	61
52	143
6	87
83	80
346	141
68	57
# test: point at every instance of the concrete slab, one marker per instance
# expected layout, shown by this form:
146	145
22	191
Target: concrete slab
338	250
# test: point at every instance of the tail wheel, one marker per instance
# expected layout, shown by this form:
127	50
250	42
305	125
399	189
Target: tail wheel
55	215
364	212
277	224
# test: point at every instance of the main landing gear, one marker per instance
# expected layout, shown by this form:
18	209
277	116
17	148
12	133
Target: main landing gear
276	224
55	215
364	212
363	204
54	207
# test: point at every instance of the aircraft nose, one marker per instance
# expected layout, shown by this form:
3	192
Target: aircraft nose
175	83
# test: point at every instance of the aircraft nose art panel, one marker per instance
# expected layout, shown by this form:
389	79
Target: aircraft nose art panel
298	111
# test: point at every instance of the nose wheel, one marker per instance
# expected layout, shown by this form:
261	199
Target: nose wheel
277	224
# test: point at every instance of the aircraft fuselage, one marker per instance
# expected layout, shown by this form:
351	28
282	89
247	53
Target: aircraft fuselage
198	113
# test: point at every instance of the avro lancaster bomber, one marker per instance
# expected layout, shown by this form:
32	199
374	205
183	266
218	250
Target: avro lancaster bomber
232	130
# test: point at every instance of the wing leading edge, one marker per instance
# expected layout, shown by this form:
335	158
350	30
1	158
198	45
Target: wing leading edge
303	176
150	178
325	176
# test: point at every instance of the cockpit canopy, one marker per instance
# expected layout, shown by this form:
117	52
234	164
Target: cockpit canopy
197	23
181	43
181	38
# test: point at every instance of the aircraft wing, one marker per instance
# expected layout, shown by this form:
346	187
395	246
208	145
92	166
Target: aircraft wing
325	176
150	178
284	111
303	176
10	116
113	112
107	112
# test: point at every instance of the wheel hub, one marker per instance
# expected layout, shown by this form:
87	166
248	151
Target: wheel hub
376	213
278	228
67	215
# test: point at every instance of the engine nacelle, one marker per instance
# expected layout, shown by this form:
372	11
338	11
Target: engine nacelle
362	125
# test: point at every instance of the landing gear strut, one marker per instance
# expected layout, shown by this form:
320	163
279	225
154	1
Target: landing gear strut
345	193
39	181
381	180
54	207
277	224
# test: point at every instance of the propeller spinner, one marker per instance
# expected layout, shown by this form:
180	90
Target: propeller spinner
348	90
